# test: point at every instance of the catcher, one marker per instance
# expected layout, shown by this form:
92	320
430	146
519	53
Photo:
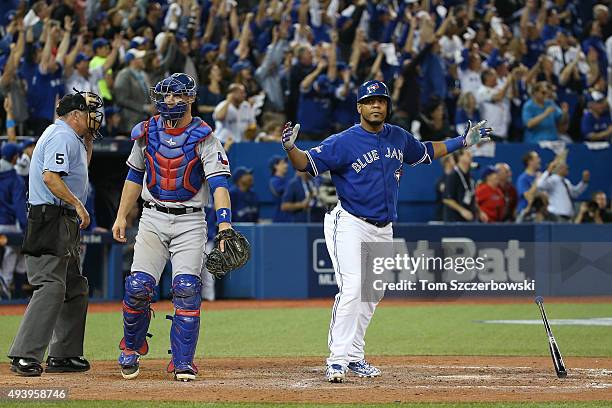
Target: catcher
174	163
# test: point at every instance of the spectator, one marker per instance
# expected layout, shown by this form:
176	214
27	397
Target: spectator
466	110
470	70
101	48
12	215
298	198
489	197
510	195
407	87
268	73
315	105
433	69
22	166
242	71
210	93
245	203
234	117
434	123
345	99
112	125
560	190
536	210
152	20
596	124
525	184
459	203
80	75
132	91
594	211
448	164
541	115
299	71
47	84
12	84
278	183
594	41
494	103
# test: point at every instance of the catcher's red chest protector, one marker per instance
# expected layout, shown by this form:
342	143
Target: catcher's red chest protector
173	165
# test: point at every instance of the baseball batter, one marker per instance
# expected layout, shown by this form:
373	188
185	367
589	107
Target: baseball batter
174	163
365	162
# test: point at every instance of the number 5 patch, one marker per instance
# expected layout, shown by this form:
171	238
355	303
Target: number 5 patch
59	158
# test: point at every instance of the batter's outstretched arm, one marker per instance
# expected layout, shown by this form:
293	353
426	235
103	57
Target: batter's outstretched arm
129	196
297	157
474	134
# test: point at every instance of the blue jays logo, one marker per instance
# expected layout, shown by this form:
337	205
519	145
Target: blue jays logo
221	159
398	174
373	88
224	214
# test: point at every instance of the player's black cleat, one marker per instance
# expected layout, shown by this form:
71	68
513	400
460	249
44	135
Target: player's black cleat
26	367
67	365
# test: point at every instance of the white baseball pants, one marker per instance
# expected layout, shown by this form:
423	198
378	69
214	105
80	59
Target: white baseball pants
344	234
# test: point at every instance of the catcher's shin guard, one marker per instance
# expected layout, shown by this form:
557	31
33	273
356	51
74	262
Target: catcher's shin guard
139	291
185	329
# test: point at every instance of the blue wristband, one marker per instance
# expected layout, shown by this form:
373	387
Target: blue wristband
454	144
224	215
10	123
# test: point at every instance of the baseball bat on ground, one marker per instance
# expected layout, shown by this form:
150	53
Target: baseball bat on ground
552	343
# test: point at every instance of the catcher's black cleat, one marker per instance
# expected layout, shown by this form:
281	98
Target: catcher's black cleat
26	367
67	365
184	375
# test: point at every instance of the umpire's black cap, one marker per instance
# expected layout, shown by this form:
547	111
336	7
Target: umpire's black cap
71	102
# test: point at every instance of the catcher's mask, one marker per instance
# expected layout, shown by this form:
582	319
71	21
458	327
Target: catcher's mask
173	96
87	102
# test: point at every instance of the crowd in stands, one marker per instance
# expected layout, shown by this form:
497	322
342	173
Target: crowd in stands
536	70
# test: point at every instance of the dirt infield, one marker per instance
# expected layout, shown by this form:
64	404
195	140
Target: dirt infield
405	379
101	307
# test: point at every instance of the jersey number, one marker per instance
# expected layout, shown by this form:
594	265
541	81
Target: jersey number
59	158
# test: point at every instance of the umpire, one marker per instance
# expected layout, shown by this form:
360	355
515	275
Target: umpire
55	316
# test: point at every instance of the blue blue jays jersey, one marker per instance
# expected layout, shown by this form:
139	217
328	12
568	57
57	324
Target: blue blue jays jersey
366	168
592	124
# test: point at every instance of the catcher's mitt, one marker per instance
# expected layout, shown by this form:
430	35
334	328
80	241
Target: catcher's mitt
236	253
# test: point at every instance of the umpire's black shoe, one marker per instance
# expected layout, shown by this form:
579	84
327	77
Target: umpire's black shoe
67	365
27	367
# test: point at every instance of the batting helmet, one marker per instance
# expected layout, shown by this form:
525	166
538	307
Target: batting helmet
177	84
374	88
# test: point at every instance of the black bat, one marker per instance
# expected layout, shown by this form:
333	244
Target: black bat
552	343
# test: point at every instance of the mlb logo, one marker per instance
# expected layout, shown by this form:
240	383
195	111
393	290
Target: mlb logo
372	88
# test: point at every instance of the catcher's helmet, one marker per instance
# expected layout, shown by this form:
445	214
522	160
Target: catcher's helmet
178	84
374	88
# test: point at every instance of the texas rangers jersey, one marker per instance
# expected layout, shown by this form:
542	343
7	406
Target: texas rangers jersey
366	168
214	162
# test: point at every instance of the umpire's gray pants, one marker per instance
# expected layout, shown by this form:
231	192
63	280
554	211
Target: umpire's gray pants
55	316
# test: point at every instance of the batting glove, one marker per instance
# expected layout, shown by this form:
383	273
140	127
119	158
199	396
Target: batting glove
475	134
289	136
